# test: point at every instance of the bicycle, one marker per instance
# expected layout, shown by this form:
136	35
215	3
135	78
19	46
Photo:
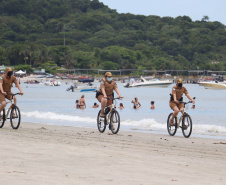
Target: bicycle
13	112
186	122
111	118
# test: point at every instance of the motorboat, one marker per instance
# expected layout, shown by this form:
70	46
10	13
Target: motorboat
48	83
85	79
82	87
52	83
32	82
144	82
213	84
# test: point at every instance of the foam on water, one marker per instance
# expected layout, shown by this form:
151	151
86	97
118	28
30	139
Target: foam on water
143	123
54	116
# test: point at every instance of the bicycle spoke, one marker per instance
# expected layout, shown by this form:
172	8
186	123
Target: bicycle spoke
115	122
15	117
2	114
187	126
101	123
171	129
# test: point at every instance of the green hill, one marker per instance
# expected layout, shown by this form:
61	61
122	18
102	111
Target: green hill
87	34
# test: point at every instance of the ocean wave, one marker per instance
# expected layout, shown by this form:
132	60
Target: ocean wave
55	116
153	124
147	123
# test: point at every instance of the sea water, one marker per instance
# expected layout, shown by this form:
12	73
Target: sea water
54	105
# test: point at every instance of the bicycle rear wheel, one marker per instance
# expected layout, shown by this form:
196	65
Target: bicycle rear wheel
115	122
101	123
2	118
15	117
186	125
171	129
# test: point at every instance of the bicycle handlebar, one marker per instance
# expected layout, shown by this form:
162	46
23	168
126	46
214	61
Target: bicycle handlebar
8	93
185	102
114	98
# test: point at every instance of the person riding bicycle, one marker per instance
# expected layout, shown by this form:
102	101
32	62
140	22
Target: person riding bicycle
6	82
177	95
107	85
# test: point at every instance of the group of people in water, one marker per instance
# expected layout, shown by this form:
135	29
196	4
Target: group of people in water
81	104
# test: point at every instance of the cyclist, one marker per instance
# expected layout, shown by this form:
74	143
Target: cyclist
107	85
177	95
6	82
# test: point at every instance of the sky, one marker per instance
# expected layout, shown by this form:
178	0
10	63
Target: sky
195	9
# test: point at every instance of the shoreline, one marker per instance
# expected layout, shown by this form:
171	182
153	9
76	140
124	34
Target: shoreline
50	154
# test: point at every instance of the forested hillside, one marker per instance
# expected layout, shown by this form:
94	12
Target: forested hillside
87	34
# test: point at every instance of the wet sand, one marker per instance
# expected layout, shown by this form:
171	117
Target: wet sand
43	154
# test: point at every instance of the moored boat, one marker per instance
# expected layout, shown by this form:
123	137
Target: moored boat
144	82
213	84
82	87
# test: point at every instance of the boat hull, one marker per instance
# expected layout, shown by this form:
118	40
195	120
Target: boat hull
217	85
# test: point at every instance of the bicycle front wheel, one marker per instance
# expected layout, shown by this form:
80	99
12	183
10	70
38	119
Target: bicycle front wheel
2	118
101	123
115	122
15	117
186	125
172	129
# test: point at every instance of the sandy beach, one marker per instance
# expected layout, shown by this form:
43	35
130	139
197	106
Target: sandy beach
44	154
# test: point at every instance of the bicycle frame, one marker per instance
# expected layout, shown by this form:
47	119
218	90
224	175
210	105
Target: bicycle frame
9	109
183	112
11	105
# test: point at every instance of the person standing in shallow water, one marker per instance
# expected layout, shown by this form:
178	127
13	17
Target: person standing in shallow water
77	104
82	103
95	105
121	106
152	105
136	103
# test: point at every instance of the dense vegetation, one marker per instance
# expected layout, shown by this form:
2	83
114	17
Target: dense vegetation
87	34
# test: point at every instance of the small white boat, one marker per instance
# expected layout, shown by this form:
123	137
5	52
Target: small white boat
143	82
82	87
52	83
48	83
56	83
213	84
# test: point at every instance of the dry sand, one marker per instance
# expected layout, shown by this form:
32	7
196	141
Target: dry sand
37	154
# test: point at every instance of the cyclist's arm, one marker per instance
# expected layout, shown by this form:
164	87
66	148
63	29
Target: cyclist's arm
189	97
117	91
1	88
103	91
18	86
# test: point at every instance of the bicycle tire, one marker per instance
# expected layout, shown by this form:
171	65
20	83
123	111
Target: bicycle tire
186	125
114	122
171	129
101	124
2	118
15	117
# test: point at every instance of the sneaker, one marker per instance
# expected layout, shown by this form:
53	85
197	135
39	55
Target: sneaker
15	116
102	115
171	123
185	127
113	128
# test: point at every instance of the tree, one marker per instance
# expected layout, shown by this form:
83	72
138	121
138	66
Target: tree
205	18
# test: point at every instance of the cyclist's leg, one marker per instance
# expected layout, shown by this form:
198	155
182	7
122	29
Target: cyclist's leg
3	103
14	99
103	102
176	110
181	108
